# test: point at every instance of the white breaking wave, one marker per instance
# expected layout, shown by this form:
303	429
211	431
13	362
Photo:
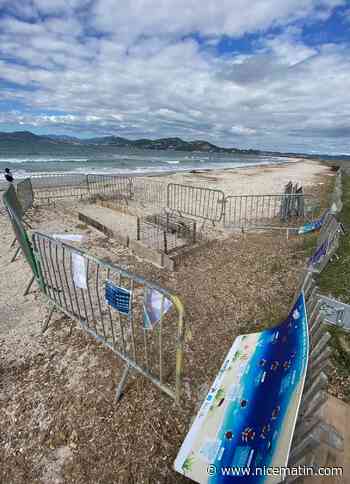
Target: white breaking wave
140	170
42	160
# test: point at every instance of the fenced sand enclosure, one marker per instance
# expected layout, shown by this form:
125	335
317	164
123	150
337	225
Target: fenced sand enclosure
196	349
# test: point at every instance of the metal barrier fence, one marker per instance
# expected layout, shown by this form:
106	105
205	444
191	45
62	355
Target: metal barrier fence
15	213
311	430
139	321
205	203
150	192
110	186
55	180
81	286
49	188
2	207
166	232
336	197
327	244
25	194
144	191
284	210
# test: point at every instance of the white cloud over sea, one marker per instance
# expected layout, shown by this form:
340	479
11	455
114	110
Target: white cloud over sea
247	73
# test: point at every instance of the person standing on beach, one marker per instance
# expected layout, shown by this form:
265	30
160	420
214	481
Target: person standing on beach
8	175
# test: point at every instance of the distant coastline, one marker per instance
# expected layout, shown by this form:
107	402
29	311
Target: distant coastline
30	144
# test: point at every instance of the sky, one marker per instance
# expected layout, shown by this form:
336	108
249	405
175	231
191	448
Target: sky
265	74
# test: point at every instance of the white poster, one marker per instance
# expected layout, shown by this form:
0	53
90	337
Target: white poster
69	237
154	307
79	271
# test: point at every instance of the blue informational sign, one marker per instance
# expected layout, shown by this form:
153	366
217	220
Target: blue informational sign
247	420
314	225
154	307
320	252
118	297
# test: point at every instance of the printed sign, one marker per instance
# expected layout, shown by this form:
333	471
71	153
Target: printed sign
79	271
69	237
248	417
154	307
314	225
320	252
335	312
118	298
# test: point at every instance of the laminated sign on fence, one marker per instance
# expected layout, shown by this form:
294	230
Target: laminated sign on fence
327	243
156	305
118	298
314	225
233	429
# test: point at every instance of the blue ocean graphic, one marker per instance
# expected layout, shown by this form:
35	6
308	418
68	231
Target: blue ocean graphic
253	423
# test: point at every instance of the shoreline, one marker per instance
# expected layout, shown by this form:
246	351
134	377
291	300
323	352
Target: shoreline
163	173
261	178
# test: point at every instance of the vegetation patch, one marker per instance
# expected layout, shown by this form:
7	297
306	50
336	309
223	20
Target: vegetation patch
334	281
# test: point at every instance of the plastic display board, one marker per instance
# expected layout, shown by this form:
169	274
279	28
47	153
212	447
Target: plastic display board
247	420
314	225
118	298
154	307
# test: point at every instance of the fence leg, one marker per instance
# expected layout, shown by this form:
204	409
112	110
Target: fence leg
138	229
29	286
48	319
13	243
18	250
119	392
26	224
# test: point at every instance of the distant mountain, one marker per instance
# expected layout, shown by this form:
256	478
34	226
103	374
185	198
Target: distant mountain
25	143
62	137
33	142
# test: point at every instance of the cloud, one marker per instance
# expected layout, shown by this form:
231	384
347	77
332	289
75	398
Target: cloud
179	17
242	130
140	71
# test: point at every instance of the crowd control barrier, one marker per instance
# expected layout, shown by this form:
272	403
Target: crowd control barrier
282	210
204	203
110	186
139	321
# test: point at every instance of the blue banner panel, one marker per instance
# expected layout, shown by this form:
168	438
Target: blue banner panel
245	425
118	297
314	225
320	252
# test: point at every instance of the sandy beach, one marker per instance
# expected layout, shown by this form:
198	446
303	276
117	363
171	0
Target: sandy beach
266	179
59	420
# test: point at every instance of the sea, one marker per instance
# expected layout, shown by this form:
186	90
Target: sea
124	162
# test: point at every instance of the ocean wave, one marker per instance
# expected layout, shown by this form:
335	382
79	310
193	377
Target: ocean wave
43	160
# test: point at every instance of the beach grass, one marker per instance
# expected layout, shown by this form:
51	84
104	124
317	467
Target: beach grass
336	276
334	281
